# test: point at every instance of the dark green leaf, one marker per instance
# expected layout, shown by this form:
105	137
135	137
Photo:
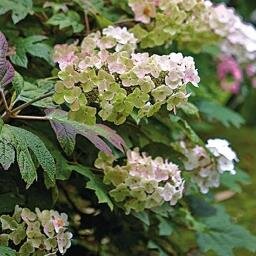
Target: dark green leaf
20	8
234	182
65	20
94	183
222	236
32	45
214	111
164	226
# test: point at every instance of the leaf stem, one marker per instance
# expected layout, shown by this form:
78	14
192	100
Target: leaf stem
21	107
4	101
40	118
123	21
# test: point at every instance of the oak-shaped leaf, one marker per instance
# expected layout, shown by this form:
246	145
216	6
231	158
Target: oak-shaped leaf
66	131
222	236
6	69
25	147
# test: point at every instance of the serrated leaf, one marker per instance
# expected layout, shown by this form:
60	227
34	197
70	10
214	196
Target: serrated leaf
215	112
6	251
222	236
19	8
18	83
32	45
186	128
7	155
42	154
6	69
65	20
20	143
66	131
34	90
94	183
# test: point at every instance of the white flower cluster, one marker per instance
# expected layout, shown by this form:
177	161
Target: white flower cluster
142	183
207	170
239	38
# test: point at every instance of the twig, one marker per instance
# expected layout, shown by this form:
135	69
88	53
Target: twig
21	107
87	24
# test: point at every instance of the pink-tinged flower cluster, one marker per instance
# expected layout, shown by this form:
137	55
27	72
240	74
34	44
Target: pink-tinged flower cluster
239	38
230	74
106	64
143	182
185	21
206	169
43	232
65	55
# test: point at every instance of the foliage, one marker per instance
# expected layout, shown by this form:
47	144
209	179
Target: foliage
120	134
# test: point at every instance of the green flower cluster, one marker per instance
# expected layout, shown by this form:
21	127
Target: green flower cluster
142	183
185	22
35	233
104	76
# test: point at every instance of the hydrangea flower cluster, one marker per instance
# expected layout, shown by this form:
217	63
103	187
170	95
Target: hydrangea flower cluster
143	182
239	38
194	24
106	73
207	168
229	74
36	233
182	21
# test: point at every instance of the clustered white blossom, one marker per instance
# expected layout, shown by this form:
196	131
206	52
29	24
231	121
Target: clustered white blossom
36	233
239	38
206	170
143	182
106	70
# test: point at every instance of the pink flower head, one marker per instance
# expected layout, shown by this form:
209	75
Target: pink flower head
229	74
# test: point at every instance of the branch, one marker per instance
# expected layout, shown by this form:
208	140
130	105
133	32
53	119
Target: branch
21	107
